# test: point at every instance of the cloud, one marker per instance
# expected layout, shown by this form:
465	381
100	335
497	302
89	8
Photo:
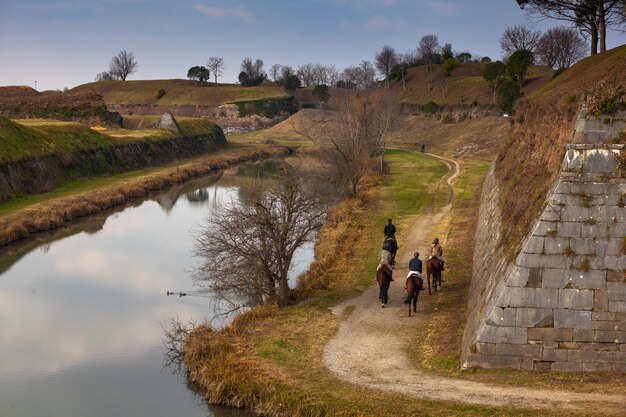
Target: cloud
381	22
442	7
220	13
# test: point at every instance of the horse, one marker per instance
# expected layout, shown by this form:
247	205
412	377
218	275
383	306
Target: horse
384	278
414	284
433	266
391	245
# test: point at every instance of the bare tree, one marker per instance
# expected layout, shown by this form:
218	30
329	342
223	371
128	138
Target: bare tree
248	247
104	76
519	37
591	17
123	64
306	74
560	47
216	65
252	72
429	50
275	72
385	60
358	131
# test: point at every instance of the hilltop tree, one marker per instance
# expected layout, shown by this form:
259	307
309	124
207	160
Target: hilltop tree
104	76
198	73
518	64
291	83
446	52
429	49
518	37
448	65
322	93
217	65
464	56
251	72
385	60
591	17
494	73
123	64
560	48
275	72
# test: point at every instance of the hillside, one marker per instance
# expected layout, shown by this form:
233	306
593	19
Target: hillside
464	86
529	164
177	92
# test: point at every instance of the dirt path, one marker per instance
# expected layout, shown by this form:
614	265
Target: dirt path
354	353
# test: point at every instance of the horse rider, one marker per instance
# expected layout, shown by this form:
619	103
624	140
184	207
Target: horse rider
415	267
390	230
436	251
384	260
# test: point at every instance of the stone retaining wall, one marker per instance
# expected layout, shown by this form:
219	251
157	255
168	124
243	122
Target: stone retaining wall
562	305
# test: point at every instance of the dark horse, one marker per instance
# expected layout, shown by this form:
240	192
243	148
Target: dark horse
433	267
414	284
391	245
384	278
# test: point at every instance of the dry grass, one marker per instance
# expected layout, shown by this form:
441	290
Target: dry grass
20	222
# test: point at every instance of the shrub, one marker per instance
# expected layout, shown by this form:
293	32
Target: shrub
431	107
508	92
160	94
604	98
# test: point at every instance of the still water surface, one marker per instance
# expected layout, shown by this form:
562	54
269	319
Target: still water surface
82	312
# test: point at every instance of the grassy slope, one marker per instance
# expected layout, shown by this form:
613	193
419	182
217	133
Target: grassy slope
464	86
38	138
530	162
178	92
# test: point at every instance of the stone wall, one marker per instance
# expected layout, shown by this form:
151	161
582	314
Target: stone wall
562	305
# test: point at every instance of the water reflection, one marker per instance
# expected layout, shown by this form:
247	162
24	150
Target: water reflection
81	319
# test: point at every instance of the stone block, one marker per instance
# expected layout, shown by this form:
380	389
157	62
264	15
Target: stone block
613	275
617	306
616	287
486	348
622	347
599	230
529	297
612	357
602	214
533	245
554	278
563	318
618	367
531	317
558	335
492	361
542	366
592	279
507	349
569	229
600	262
496	334
543	228
614	247
583	335
621	262
554	355
535	278
605	200
503	317
596	366
600	301
575	213
620	214
610	336
588	246
603	315
518	277
557	261
611	326
562	188
582	320
582	355
555	245
616	230
550	214
576	299
566	367
617	296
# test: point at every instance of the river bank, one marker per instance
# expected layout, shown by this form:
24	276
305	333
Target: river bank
20	219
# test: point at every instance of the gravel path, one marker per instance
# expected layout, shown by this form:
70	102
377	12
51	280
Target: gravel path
368	348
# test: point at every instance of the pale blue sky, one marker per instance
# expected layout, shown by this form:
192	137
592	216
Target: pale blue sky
63	43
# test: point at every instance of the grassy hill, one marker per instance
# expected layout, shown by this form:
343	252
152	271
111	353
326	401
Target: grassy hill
177	92
465	85
529	163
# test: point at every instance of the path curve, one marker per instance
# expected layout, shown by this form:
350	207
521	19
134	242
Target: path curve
354	353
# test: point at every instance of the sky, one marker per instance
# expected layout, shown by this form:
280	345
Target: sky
64	43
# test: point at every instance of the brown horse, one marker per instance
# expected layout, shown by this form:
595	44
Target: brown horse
414	284
433	267
384	278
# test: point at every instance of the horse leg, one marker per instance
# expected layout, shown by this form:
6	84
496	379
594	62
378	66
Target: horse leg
415	295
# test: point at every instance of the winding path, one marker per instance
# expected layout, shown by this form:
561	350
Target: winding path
354	353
